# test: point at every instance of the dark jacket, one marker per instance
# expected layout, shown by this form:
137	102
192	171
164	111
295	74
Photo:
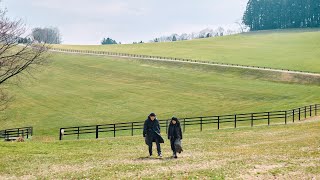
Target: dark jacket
174	131
151	130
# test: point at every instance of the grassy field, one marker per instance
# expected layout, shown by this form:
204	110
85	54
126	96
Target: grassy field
287	49
282	152
76	90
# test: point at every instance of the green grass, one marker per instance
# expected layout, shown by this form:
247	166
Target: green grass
286	49
285	152
76	90
79	90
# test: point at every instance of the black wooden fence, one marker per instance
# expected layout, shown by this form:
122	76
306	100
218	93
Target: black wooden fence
170	58
235	119
12	134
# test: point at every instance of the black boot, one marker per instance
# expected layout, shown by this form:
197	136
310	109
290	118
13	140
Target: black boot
175	155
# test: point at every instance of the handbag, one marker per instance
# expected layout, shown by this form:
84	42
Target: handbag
178	146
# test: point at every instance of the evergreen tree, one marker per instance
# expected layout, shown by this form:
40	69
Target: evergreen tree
108	41
281	14
174	38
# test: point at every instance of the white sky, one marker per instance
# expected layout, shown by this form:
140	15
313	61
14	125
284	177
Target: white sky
88	21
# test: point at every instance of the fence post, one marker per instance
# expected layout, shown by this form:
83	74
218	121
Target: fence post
299	114
235	121
316	108
285	117
305	112
268	118
78	132
22	133
200	123
18	131
6	134
114	130
60	134
218	122
132	129
184	125
97	131
293	115
251	119
166	126
310	110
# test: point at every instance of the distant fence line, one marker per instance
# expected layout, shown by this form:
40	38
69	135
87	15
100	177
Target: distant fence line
106	53
285	115
12	134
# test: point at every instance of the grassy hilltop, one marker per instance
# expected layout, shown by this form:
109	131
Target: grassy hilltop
287	49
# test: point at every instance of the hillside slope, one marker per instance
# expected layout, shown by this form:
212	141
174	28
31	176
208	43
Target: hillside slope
287	49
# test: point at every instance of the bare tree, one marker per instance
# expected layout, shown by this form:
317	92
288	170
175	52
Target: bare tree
229	32
184	36
220	31
16	60
49	35
241	26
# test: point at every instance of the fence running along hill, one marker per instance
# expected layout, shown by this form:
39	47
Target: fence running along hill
284	117
14	133
137	56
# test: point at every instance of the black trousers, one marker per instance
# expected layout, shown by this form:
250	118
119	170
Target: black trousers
158	147
173	148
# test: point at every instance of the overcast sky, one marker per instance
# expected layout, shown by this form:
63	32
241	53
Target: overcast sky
88	21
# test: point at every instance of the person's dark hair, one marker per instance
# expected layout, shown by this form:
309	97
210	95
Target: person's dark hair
152	114
174	119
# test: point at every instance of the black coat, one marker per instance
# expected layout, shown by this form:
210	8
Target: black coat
151	130
174	131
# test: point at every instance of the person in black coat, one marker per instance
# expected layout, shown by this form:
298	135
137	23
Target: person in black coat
175	136
151	133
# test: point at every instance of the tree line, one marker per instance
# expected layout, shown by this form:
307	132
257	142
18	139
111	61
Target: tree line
282	14
205	33
48	35
108	41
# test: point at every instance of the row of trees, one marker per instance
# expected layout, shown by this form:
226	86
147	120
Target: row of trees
140	42
205	33
50	35
281	14
24	40
42	35
108	40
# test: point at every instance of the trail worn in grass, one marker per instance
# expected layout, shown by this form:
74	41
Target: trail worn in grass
281	151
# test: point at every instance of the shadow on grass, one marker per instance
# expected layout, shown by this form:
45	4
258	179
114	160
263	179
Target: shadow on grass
154	158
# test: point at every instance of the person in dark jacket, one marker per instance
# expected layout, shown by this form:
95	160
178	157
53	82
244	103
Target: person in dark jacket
151	133
175	136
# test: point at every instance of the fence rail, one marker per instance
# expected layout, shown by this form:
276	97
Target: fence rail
234	119
175	59
12	134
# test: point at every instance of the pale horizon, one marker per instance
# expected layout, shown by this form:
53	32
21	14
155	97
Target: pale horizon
125	21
